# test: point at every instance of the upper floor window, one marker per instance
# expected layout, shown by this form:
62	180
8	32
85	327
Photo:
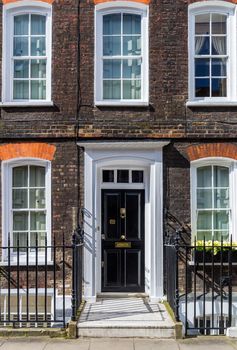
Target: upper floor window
121	55
212	53
27	54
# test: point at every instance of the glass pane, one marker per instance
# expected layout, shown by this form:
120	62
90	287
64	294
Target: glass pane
112	24
20	221
218	67
20	47
137	176
218	236
219	87
218	24
38	89
204	176
204	220
22	236
20	90
131	24
108	175
38	25
202	45
221	176
37	221
221	198
202	24
37	176
204	199
41	240
38	69
132	69
132	89
20	176
201	235
218	45
221	220
37	199
202	66
123	176
19	199
38	47
112	89
111	45
21	25
112	69
202	87
131	45
21	69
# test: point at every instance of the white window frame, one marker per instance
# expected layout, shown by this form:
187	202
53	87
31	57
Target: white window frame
115	7
9	11
7	167
228	9
215	161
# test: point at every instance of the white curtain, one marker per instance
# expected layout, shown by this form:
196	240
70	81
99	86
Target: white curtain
220	47
199	41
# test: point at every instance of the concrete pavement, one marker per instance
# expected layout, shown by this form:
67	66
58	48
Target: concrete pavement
44	343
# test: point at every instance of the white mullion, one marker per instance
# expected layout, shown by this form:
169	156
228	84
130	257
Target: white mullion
29	54
122	53
28	182
210	59
212	201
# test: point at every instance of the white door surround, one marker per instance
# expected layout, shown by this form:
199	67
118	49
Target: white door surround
146	156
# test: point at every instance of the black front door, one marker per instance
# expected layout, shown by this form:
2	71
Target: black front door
123	241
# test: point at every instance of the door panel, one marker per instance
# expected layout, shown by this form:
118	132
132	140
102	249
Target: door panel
123	240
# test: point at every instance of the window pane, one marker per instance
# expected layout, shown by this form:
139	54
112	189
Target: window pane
112	69
122	176
108	175
132	69
19	199
131	24
38	24
137	176
37	199
218	45
37	176
204	220
37	221
20	90
202	45
20	221
204	199
218	236
201	235
202	67
38	69
202	24
221	220
204	176
21	25
40	237
218	67
38	47
20	176
111	45
20	47
21	69
132	89
219	87
202	87
22	236
131	45
112	89
218	24
38	89
221	198
221	176
112	24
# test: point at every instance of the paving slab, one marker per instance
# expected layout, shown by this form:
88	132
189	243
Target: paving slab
210	343
111	344
25	343
154	344
62	344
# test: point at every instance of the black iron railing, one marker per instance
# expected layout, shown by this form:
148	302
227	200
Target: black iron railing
200	285
40	283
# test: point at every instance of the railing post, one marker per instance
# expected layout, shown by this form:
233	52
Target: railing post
74	276
177	277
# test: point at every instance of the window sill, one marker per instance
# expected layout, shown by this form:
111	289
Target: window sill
121	103
192	263
23	263
27	104
211	103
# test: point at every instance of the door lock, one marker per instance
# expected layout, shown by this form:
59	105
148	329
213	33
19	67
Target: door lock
122	213
123	237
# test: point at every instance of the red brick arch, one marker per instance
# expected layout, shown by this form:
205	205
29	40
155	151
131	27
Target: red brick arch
147	2
226	150
27	150
10	1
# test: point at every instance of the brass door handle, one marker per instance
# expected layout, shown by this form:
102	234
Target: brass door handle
122	213
123	237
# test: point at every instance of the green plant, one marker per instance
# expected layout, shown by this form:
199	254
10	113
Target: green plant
214	246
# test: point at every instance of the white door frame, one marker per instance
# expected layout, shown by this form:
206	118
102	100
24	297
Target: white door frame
144	155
